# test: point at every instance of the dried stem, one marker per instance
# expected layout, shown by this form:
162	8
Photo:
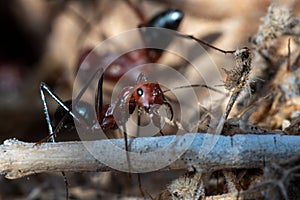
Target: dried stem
236	80
289	55
18	159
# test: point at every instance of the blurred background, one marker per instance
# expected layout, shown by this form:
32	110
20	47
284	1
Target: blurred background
45	40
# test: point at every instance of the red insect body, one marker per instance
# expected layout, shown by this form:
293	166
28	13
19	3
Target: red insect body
146	95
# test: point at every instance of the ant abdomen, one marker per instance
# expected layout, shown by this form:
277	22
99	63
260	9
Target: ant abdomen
169	19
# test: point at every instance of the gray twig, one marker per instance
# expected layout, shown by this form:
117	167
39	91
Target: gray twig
18	159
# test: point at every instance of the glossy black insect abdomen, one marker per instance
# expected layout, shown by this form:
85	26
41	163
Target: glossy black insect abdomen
169	19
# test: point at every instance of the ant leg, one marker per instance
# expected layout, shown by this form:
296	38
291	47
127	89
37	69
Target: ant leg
140	185
45	87
138	134
126	145
66	184
86	85
138	122
162	134
45	107
51	129
126	149
77	99
99	98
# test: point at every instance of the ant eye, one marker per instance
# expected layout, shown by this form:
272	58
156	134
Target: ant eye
140	92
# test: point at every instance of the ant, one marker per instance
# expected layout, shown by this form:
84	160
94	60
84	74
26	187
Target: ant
169	19
144	95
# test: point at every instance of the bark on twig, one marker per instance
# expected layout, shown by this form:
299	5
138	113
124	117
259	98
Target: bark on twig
205	152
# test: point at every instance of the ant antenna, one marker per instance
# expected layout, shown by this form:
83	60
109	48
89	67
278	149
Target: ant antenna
204	43
193	86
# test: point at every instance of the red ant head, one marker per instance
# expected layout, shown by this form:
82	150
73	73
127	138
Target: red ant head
148	94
